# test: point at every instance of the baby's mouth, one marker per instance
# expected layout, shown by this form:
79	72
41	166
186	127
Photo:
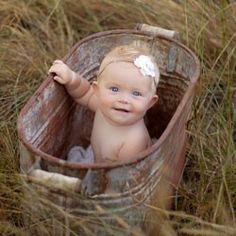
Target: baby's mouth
121	110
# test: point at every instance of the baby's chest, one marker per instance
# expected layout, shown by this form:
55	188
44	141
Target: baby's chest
107	142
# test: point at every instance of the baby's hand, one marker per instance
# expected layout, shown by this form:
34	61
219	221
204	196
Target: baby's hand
61	72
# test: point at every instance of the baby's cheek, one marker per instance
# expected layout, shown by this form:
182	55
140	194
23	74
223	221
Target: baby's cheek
140	108
106	100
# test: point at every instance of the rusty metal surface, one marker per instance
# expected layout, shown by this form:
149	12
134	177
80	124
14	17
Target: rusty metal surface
51	123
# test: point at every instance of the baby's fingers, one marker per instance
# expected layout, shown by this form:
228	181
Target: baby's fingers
55	69
60	72
58	62
59	79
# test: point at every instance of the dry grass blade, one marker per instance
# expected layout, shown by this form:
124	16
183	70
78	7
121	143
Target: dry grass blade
34	33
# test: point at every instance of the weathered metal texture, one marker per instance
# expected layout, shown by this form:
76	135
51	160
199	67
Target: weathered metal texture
51	123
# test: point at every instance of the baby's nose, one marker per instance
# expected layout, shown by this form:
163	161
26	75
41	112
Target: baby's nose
124	99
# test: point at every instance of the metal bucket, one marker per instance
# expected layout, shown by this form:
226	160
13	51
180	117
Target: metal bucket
51	123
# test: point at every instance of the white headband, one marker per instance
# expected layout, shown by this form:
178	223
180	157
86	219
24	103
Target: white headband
145	65
142	62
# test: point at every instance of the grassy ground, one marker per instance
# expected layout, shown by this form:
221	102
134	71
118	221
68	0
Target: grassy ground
35	32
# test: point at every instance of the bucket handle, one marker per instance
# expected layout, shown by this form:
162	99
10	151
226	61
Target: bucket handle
155	31
93	183
54	180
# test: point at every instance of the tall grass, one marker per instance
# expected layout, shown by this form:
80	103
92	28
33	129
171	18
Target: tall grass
33	33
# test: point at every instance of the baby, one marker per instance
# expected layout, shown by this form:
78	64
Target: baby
124	90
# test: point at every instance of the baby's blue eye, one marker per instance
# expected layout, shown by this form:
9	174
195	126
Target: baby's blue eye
137	93
114	89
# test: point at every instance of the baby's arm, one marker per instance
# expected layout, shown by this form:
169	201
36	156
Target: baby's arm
78	87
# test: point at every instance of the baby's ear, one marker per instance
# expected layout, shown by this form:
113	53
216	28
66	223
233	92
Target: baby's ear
153	100
95	86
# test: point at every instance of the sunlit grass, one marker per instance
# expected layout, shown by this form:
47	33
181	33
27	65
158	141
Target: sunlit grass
34	33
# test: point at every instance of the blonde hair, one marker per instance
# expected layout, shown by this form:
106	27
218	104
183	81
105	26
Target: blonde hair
128	53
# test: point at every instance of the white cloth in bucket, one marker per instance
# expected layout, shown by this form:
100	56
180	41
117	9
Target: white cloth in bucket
79	154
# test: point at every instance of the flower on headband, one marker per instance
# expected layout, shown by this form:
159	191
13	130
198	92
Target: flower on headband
145	64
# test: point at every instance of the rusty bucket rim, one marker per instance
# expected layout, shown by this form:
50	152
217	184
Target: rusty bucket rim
63	163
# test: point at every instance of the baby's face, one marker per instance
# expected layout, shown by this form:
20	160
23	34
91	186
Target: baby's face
124	93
